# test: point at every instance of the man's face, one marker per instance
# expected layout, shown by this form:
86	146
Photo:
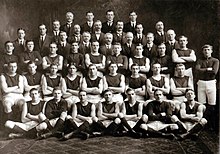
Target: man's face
82	96
113	68
180	71
135	69
183	42
133	16
32	68
117	49
42	30
53	69
57	94
35	95
139	50
110	16
30	46
108	39
56	25
98	26
12	67
53	48
129	37
92	70
139	29
131	95
9	47
161	50
69	17
21	34
63	36
90	16
150	38
77	29
171	35
207	52
120	25
158	96
108	96
95	46
72	70
156	68
75	47
190	95
160	27
86	37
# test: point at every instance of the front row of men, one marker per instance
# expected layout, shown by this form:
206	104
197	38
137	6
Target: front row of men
158	118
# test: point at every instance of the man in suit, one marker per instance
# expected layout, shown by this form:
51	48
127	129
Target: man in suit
68	26
88	25
150	49
129	47
106	49
43	41
130	26
85	45
76	37
119	35
19	43
56	30
139	37
171	43
98	35
63	45
109	25
160	35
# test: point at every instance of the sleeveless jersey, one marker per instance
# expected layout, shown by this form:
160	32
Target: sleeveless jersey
181	82
72	84
92	83
33	79
53	82
113	81
130	110
108	108
157	83
84	110
12	80
35	109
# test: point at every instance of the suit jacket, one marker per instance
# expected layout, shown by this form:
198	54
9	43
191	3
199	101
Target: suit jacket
108	29
129	28
143	40
85	28
44	50
128	51
72	39
56	38
65	28
103	50
150	53
83	49
101	39
18	47
169	47
120	39
158	39
64	51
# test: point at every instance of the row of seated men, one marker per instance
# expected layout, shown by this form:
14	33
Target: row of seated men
159	118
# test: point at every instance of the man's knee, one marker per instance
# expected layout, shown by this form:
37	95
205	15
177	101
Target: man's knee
41	126
121	115
7	104
42	117
174	127
95	119
174	118
63	116
117	121
145	118
203	121
9	124
144	126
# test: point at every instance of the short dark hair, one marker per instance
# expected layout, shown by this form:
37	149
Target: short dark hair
56	88
20	29
8	42
34	89
207	46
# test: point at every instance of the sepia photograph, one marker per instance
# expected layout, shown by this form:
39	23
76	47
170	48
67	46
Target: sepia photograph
109	76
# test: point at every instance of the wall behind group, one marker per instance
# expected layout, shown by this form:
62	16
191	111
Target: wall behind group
197	19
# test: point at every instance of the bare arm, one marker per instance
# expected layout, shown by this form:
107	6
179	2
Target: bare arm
176	58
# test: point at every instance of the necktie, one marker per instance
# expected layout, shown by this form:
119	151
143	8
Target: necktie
41	41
